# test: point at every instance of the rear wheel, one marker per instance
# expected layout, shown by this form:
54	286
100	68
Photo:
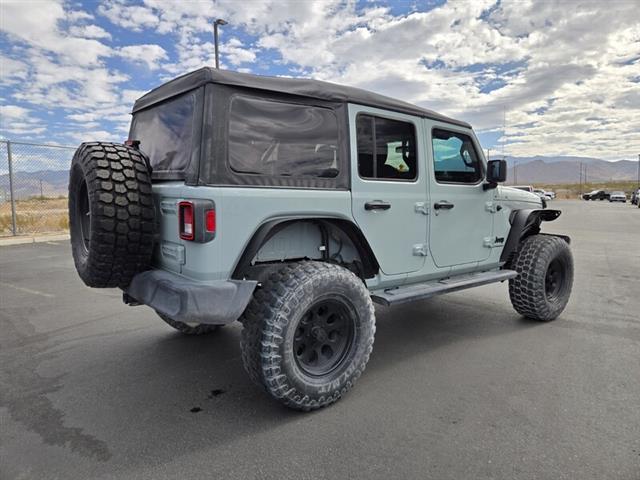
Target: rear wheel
545	276
308	334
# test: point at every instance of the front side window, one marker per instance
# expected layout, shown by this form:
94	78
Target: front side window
455	158
165	132
282	139
386	148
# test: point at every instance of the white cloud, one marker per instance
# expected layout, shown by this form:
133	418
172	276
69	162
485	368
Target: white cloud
78	15
13	112
237	53
89	31
13	71
18	120
39	27
150	55
131	17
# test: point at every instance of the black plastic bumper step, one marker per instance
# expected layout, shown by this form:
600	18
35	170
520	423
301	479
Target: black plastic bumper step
420	291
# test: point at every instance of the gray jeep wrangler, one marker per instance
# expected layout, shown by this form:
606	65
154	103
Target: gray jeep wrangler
292	206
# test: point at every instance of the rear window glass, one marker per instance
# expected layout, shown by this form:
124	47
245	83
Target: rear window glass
165	132
282	139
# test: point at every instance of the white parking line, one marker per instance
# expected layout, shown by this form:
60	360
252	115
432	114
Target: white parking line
27	290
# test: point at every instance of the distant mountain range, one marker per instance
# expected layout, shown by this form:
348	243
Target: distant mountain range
29	184
550	170
522	170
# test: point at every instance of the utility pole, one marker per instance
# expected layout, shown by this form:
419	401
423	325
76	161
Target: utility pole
41	194
585	176
639	171
504	128
515	172
218	22
14	229
581	179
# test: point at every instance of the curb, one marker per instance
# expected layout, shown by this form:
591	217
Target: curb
5	242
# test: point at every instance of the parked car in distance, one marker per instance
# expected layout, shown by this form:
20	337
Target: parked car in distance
542	194
526	188
596	195
618	197
635	197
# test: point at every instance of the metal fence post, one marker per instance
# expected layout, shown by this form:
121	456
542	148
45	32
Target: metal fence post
11	192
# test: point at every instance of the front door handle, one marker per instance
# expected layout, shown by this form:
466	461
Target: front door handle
443	205
377	205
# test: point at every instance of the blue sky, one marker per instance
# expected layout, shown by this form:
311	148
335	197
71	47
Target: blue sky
566	80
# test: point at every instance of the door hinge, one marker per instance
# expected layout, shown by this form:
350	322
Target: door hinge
493	242
420	250
422	207
492	207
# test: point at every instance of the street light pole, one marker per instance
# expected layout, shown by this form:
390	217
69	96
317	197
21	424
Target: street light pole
218	21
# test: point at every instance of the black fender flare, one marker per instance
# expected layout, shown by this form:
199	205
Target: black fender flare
268	229
524	223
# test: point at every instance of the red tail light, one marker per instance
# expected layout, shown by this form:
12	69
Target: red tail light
185	219
211	221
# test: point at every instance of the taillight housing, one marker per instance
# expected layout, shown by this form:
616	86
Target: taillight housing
197	220
186	220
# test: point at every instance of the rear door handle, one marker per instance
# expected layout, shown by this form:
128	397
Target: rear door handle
443	205
377	205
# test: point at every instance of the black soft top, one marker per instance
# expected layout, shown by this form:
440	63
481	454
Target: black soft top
293	86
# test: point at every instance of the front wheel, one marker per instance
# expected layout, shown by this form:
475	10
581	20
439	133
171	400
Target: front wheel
545	276
308	334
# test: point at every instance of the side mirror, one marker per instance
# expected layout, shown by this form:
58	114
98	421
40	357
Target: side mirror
496	173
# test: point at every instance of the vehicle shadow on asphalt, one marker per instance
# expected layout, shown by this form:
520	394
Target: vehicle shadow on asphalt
195	388
169	395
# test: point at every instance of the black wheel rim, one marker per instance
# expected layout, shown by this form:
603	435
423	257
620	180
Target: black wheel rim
323	337
84	214
554	279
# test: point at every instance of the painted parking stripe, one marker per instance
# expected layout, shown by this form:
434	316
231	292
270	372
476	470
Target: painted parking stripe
27	290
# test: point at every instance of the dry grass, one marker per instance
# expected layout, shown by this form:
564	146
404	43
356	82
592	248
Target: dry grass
35	215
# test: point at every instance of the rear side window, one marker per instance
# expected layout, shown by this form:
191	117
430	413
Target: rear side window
386	148
165	132
455	158
282	139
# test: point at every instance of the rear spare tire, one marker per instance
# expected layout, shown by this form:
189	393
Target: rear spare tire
111	214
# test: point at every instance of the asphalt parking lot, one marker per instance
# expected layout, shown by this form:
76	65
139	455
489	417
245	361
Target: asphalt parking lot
458	387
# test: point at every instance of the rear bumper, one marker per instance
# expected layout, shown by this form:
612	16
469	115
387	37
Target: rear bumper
217	302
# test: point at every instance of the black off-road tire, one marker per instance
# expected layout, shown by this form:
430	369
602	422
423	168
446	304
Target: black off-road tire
288	320
111	214
545	276
190	329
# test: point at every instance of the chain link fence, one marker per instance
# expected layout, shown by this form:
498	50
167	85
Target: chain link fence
34	182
